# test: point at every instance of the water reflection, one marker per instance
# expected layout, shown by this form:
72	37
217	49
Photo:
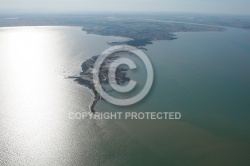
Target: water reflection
36	98
35	101
31	111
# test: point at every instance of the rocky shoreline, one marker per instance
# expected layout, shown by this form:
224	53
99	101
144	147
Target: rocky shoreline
86	77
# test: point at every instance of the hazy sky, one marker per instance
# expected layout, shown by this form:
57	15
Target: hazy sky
207	6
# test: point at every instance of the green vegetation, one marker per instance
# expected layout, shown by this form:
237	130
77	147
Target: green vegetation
141	31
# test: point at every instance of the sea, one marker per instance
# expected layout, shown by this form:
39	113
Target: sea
203	75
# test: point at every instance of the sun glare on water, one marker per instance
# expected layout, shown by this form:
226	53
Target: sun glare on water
31	102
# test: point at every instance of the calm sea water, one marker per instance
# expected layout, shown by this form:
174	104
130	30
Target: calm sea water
205	76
